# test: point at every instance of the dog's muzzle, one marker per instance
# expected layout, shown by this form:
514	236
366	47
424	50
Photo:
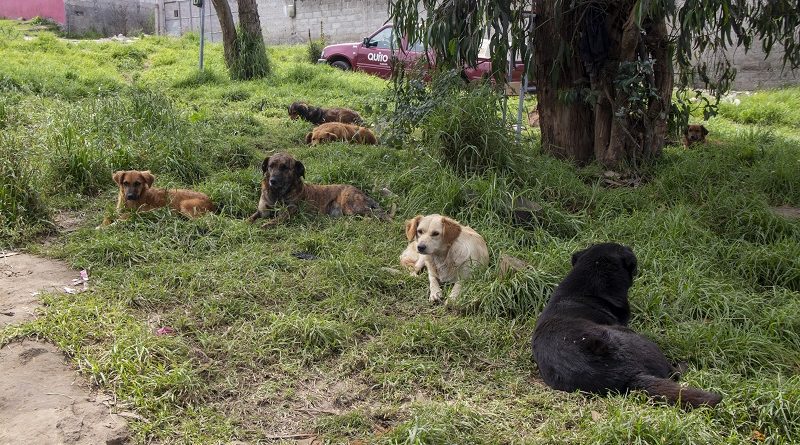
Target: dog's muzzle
421	248
131	197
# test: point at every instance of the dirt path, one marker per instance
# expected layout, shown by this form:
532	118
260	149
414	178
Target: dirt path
42	399
22	276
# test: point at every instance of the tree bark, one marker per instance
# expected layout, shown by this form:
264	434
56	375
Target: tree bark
658	112
230	43
248	17
607	124
621	140
566	121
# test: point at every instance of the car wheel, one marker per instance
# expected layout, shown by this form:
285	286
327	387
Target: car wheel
341	64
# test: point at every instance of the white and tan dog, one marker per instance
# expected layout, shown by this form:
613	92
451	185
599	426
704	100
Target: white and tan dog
449	250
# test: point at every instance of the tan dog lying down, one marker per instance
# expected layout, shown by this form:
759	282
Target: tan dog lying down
136	192
337	131
694	133
283	184
449	250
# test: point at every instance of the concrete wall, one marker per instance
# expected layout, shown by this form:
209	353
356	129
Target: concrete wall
342	21
28	9
177	17
753	71
110	17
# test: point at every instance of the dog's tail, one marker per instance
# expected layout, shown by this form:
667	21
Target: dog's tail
672	392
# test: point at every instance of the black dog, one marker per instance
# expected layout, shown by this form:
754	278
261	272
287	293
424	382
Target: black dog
317	115
582	342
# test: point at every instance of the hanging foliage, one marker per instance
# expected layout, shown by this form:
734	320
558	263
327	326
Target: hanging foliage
605	70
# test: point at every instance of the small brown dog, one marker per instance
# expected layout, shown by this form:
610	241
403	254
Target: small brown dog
694	133
318	116
335	131
283	184
449	250
136	192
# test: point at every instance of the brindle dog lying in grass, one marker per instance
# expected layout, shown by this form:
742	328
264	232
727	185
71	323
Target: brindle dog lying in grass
283	184
317	115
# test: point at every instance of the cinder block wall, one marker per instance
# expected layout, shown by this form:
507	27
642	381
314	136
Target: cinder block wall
754	71
342	21
110	17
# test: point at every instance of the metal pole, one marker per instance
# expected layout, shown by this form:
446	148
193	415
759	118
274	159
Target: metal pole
522	89
202	31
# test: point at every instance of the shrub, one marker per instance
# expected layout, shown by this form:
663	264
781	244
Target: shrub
460	123
315	46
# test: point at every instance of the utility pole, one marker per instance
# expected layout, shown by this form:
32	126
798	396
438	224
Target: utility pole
202	5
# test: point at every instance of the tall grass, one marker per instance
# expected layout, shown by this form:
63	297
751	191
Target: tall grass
338	342
21	201
251	61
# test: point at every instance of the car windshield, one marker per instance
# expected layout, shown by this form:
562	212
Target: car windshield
483	52
383	39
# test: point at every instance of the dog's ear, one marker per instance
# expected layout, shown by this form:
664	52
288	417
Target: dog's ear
450	230
629	261
309	137
118	176
265	165
148	178
577	255
299	169
704	130
411	227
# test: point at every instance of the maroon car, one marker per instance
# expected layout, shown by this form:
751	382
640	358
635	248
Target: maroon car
376	53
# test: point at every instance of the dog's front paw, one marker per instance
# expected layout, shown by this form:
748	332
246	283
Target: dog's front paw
436	296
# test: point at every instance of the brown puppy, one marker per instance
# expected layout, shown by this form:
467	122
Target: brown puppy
317	115
694	133
335	131
449	250
283	184
136	192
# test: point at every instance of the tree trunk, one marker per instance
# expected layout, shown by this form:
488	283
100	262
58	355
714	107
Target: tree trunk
230	44
251	61
585	114
248	18
566	121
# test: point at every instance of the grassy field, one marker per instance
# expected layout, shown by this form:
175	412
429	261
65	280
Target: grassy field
269	345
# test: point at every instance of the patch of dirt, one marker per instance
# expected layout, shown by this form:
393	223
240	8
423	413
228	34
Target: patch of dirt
787	211
22	277
274	412
69	221
41	401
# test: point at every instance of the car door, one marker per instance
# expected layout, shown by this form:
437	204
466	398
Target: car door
375	53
